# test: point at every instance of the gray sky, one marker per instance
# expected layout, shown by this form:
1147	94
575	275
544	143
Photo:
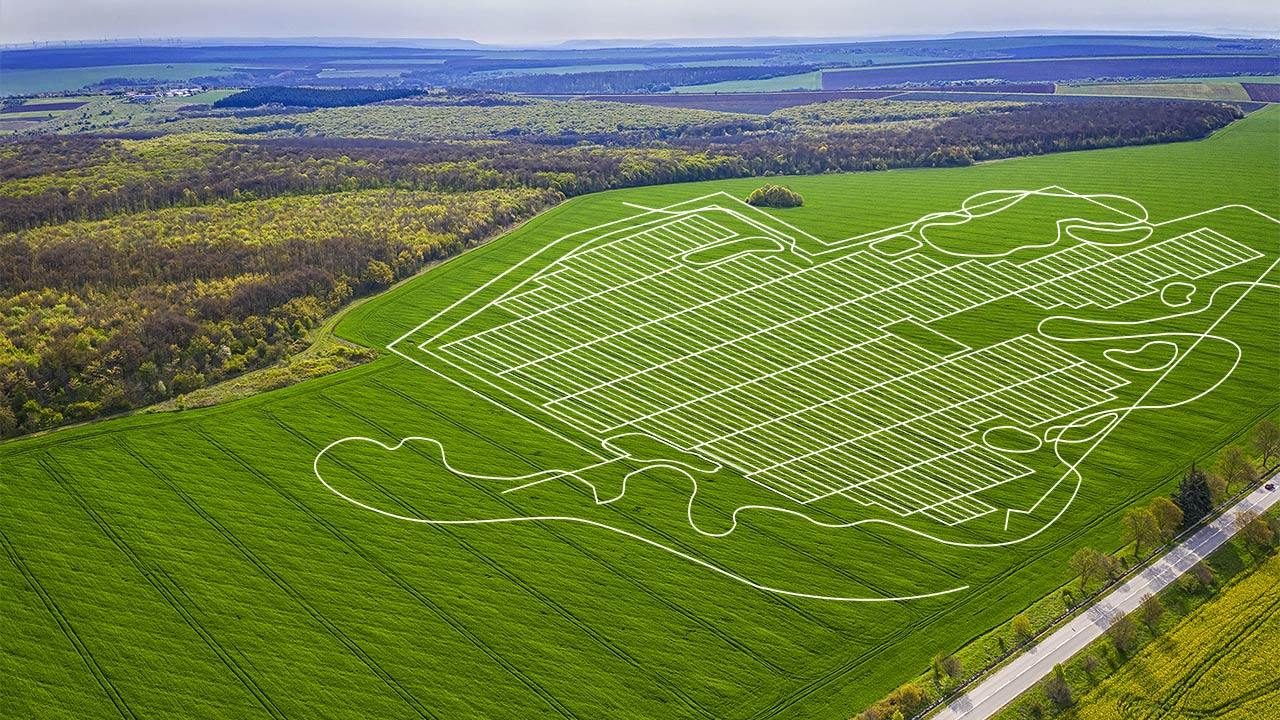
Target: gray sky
538	21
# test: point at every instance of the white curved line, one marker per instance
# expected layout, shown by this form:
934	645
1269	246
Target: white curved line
315	466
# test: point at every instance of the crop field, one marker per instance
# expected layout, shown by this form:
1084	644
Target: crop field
29	81
1050	70
760	103
1219	662
1189	90
801	81
608	465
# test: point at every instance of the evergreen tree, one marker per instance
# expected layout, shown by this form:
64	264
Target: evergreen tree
1193	496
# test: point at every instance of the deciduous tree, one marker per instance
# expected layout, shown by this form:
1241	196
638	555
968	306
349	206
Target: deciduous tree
1057	689
1266	440
1141	527
1087	563
1152	610
1235	468
1123	633
1168	517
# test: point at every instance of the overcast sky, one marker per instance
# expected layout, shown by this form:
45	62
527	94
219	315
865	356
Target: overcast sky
540	21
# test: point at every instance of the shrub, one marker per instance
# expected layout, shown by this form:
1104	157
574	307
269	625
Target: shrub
1022	627
774	196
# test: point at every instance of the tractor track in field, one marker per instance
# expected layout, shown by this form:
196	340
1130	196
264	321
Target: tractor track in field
293	593
599	560
1189	679
163	584
580	488
395	577
64	624
585	627
833	674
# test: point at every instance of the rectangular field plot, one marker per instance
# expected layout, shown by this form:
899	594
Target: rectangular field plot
811	375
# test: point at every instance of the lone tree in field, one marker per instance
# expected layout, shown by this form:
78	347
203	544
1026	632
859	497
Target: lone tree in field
1235	468
1193	497
1088	564
774	196
1168	517
1141	527
1266	440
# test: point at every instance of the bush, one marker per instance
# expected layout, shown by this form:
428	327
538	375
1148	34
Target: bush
1022	627
774	196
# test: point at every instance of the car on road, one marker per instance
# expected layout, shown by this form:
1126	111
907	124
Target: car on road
1270	486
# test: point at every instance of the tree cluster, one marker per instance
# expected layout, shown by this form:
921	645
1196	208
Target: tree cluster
310	97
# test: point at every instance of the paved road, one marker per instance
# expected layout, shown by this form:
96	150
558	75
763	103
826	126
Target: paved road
1001	687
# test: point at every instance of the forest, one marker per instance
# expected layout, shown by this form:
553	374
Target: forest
310	97
136	269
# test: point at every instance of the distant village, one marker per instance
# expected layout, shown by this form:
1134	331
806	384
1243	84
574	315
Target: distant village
157	94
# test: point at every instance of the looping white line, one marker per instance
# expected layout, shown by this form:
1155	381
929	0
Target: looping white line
979	205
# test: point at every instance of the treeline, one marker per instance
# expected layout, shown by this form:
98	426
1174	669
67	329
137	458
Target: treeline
109	315
216	257
57	179
310	97
631	81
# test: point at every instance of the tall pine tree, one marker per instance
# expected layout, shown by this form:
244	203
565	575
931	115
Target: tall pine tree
1193	496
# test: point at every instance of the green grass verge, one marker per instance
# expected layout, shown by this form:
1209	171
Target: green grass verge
1210	654
192	561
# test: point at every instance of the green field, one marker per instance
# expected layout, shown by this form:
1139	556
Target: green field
803	81
192	564
27	82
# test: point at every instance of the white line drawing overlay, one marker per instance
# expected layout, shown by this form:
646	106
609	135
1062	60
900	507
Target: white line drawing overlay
847	376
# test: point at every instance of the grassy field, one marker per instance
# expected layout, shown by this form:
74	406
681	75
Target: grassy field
191	563
803	81
26	82
1190	90
1219	662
